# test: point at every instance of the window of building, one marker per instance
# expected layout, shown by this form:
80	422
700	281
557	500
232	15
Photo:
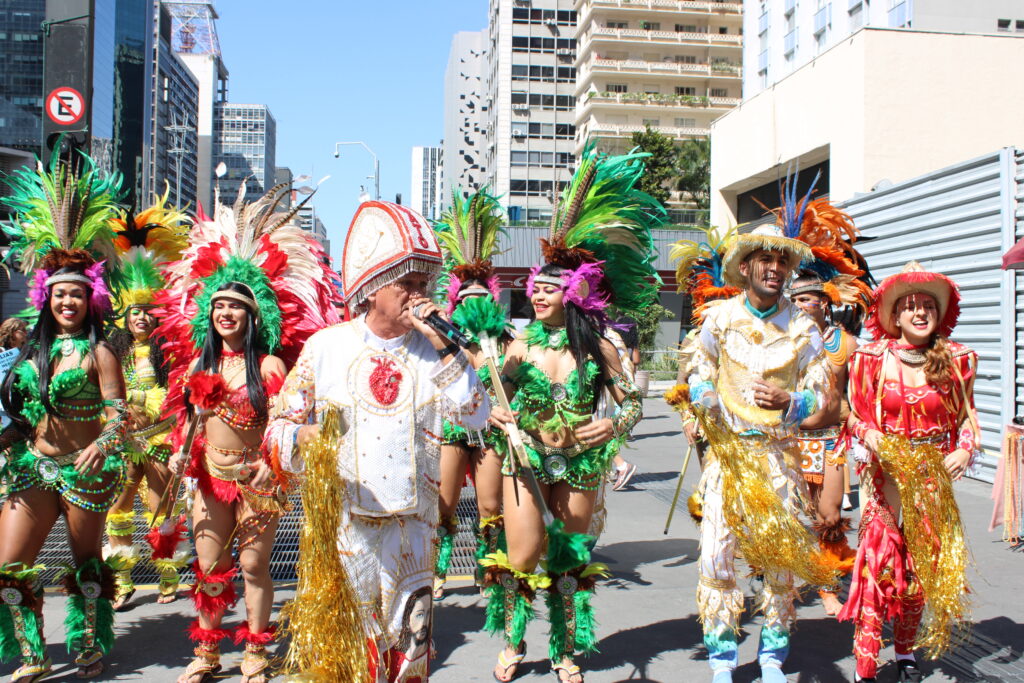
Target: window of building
519	97
723	30
617	87
686	59
719	92
682	122
651	89
1019	25
652	122
685	90
650	25
856	17
686	28
617	24
566	74
1002	24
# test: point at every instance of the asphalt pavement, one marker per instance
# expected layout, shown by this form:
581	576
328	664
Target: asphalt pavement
646	611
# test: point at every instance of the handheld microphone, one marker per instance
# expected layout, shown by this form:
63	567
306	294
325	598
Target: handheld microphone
443	327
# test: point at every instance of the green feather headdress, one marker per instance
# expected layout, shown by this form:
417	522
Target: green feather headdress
468	233
602	216
67	206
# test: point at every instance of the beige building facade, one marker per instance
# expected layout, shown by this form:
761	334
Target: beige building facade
882	106
674	65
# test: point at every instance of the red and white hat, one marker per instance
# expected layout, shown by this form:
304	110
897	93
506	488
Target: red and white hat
385	241
913	279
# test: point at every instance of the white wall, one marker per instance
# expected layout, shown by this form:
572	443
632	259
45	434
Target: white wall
883	104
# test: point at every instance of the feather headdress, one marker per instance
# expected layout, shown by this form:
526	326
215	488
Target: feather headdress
62	220
830	234
253	244
145	243
603	221
468	233
699	270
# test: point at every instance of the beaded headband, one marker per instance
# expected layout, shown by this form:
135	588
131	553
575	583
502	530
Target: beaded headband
249	301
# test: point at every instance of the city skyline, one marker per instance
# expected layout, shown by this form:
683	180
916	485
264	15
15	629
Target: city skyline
388	91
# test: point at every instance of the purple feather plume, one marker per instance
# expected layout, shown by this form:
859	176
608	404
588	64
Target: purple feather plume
37	294
534	272
590	274
454	283
99	300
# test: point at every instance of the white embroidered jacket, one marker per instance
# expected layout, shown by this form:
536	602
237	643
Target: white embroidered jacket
394	395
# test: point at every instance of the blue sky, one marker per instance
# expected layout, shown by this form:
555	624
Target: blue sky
345	70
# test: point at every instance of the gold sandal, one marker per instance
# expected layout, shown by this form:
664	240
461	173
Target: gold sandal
254	662
507	663
206	663
30	673
86	660
570	670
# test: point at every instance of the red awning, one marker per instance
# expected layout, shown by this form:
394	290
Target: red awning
1013	259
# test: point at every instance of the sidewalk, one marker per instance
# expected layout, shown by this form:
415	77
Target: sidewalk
646	611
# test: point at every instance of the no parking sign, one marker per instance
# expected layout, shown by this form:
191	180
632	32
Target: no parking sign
65	106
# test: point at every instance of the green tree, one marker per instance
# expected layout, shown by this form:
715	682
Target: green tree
661	166
647	320
695	171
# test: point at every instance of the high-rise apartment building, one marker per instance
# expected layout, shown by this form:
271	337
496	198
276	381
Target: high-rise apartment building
21	77
172	113
245	141
783	35
309	220
531	81
672	65
425	190
465	115
194	40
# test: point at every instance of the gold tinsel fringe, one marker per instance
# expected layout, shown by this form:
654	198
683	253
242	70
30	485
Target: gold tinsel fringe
770	537
934	536
719	605
324	622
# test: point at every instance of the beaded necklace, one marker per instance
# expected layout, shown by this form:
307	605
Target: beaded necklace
539	334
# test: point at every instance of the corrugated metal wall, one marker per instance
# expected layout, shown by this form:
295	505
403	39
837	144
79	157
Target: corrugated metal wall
959	221
522	246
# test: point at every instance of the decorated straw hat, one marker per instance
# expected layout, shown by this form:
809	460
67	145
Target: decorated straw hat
913	279
385	242
767	237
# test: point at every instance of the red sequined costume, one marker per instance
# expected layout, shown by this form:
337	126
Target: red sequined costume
884	586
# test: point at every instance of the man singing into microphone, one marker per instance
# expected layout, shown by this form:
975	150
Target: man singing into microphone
394	379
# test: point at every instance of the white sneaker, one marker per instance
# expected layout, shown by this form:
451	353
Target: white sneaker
847	505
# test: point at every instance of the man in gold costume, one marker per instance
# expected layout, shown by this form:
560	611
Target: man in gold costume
757	371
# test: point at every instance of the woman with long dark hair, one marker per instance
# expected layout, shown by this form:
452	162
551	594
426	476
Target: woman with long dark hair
65	395
248	291
599	253
236	487
145	243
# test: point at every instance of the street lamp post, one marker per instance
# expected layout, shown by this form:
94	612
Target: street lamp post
376	163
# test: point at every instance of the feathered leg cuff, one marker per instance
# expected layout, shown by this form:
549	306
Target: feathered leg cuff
264	637
214	592
90	616
21	633
570	613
